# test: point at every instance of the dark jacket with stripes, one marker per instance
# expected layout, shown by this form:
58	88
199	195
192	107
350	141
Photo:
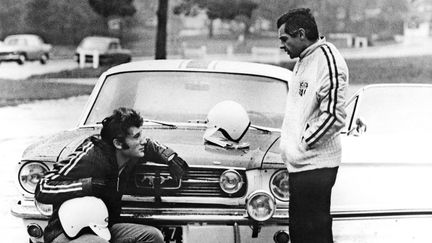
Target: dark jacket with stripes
315	109
73	177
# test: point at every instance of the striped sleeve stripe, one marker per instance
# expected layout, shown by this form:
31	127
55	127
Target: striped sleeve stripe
63	190
330	124
72	162
336	79
332	101
60	188
334	82
312	139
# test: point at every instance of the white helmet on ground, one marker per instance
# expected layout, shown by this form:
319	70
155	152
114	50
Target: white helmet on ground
78	213
228	117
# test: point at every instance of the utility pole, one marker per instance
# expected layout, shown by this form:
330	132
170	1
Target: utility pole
161	35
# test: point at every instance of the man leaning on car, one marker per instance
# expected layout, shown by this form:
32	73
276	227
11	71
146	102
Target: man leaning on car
315	115
97	168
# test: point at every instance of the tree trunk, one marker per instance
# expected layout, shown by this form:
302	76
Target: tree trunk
115	26
210	26
247	25
161	35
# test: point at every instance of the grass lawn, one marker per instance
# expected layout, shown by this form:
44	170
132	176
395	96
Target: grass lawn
362	71
15	92
87	72
415	69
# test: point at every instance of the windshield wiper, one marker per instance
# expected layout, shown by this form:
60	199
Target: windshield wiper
198	121
161	123
256	127
264	129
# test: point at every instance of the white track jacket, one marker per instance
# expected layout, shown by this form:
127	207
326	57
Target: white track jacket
315	109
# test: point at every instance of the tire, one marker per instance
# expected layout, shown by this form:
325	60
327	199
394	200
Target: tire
21	59
43	59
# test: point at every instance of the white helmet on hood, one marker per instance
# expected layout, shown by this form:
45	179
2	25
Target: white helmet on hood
228	117
78	213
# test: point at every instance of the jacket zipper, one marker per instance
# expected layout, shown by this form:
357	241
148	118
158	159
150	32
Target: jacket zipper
118	179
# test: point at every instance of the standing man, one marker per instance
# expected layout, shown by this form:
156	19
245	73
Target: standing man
99	168
315	115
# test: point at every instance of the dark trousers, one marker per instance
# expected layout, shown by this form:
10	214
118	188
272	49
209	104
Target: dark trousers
309	206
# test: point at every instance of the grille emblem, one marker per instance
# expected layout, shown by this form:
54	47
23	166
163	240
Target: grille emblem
149	180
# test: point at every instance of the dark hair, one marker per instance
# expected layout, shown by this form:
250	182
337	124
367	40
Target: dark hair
299	18
118	124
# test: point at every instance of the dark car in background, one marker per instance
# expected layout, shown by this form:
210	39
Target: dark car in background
107	49
24	47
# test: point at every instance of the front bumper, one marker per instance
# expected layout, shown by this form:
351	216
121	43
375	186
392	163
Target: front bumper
229	224
26	209
9	57
193	215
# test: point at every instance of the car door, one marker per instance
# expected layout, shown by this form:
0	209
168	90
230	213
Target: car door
31	48
37	47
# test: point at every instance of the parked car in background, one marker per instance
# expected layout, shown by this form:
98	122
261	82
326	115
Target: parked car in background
108	50
238	192
24	47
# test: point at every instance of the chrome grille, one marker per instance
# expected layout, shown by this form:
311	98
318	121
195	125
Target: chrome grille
199	182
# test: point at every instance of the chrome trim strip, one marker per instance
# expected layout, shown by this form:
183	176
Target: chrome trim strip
200	166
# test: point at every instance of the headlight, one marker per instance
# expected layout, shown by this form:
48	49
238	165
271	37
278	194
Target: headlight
230	181
44	209
30	174
279	185
260	205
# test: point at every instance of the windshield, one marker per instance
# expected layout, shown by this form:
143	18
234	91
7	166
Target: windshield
188	96
94	44
13	41
396	109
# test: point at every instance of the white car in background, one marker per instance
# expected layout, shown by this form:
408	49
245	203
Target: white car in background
24	47
108	49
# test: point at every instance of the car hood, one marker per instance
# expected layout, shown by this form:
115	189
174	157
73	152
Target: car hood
186	141
9	48
50	148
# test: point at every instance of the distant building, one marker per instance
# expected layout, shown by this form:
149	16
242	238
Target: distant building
418	25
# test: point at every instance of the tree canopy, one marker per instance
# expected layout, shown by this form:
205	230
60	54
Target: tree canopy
107	8
218	9
60	21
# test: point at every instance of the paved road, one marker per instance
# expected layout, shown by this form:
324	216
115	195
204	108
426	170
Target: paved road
11	70
19	127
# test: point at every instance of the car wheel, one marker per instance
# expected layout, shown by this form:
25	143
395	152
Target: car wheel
43	59
21	59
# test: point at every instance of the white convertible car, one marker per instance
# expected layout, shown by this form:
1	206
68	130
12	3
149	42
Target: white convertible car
239	193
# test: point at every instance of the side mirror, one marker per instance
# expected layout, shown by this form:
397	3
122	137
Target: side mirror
359	128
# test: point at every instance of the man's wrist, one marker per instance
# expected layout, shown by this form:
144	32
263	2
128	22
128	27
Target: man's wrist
171	157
